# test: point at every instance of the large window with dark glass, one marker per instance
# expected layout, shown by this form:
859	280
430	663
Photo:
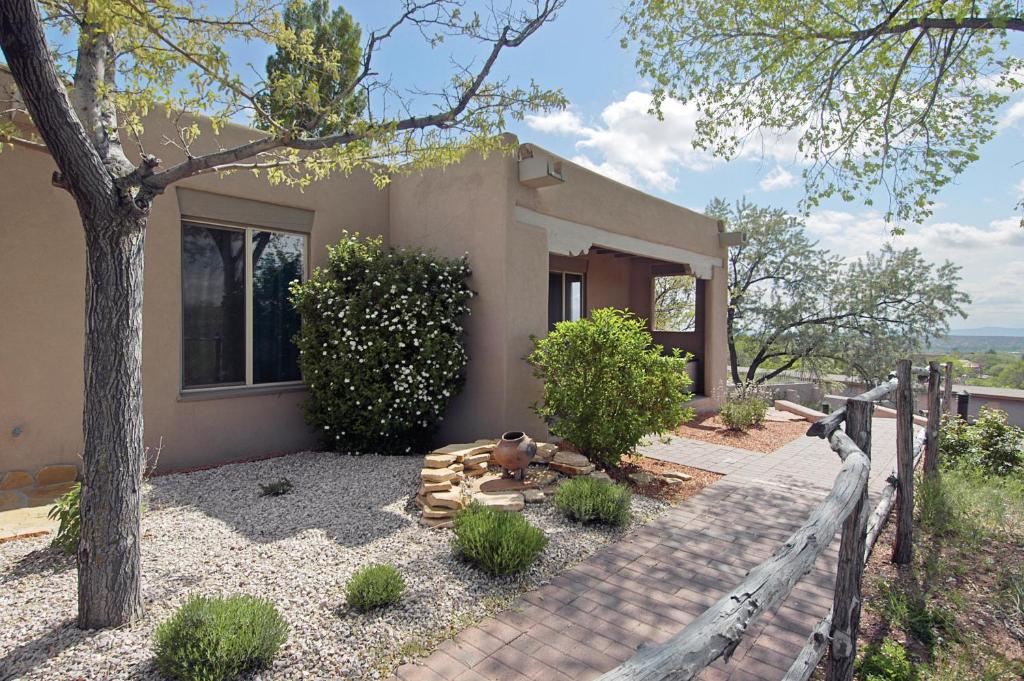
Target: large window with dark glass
565	297
236	319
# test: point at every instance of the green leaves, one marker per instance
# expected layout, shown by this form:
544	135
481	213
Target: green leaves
892	100
381	345
606	385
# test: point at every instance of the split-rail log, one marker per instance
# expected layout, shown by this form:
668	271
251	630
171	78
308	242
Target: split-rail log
719	629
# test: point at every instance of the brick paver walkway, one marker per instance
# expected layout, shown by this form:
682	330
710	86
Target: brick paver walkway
656	580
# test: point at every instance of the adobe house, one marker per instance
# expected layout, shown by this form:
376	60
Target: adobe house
547	240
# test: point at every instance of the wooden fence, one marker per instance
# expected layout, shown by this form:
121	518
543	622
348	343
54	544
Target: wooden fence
720	629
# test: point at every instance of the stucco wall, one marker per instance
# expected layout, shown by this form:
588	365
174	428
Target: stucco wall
42	275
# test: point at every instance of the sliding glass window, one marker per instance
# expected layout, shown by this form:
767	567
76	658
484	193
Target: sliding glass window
237	323
565	297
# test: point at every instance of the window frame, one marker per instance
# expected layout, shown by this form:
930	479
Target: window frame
583	294
248	386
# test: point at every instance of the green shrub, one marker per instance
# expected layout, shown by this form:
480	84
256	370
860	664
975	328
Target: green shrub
588	499
276	488
215	638
67	511
745	407
886	662
498	542
606	385
374	586
990	444
381	344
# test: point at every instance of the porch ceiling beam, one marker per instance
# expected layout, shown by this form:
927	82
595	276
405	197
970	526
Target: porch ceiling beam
573	238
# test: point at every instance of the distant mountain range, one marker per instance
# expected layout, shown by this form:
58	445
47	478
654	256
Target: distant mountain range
988	331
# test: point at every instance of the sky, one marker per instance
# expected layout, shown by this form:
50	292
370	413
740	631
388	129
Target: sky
607	128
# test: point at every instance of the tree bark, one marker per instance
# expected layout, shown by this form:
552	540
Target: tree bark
902	550
846	602
109	571
931	443
733	360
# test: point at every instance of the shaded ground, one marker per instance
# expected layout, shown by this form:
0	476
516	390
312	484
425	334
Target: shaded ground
672	493
765	438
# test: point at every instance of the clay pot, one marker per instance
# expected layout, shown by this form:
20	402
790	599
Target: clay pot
515	452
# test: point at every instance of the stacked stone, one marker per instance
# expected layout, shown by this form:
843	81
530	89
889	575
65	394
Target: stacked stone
441	494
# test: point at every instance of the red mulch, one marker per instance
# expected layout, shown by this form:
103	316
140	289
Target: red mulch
764	438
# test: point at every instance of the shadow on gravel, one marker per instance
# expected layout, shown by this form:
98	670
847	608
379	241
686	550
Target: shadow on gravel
354	500
44	562
29	655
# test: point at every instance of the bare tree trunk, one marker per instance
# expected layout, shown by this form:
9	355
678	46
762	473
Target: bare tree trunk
931	443
733	361
109	579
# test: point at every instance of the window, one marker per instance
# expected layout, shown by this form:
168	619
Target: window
565	297
237	323
675	303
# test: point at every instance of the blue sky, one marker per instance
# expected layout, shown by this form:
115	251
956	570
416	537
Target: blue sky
607	128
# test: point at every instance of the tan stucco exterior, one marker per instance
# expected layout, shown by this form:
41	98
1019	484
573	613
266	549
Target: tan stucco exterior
469	207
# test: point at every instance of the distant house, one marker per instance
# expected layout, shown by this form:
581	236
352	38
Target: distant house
547	240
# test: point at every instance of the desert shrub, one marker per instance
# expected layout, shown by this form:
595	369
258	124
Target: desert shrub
276	488
67	511
588	499
885	662
498	542
374	586
381	344
990	443
606	385
745	407
215	638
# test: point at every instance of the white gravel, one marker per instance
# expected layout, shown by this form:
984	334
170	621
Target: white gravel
210	532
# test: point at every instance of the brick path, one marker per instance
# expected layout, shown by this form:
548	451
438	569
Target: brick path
656	580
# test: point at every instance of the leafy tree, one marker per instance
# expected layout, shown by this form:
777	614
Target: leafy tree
896	96
795	304
129	57
675	303
301	80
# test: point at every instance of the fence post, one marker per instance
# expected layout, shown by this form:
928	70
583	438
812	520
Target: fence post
947	392
931	433
902	550
846	601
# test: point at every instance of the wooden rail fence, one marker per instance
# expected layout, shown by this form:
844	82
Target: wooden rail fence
720	629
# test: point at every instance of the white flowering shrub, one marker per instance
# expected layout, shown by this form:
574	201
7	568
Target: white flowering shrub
381	344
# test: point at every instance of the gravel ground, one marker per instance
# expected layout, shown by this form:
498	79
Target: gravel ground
210	532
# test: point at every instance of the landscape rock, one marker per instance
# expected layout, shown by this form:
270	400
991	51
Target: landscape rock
461	451
435	512
477	459
435	487
671	482
16	479
533	496
602	476
440	460
641	478
684	477
568	458
450	499
52	475
545	452
503	501
572	470
438	475
438	523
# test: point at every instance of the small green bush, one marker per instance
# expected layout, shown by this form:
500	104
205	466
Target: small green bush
382	344
886	662
217	638
374	586
746	407
587	499
990	444
498	542
276	488
67	511
607	385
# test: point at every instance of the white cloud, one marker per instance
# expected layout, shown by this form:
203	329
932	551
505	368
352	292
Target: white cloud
635	147
558	122
954	236
1019	188
778	178
1013	115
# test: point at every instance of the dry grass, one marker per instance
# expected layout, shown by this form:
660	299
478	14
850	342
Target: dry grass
765	438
